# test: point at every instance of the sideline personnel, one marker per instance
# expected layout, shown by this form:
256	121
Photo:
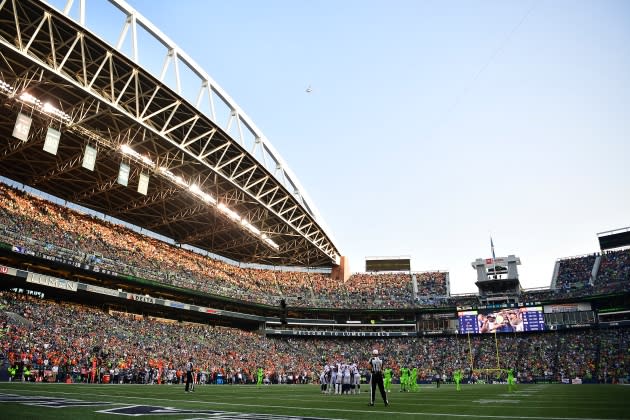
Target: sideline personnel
376	367
190	385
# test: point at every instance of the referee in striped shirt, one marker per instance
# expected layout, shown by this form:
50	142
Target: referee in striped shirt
376	368
190	384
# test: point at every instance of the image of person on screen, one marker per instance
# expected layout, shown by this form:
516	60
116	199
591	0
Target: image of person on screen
482	322
516	321
491	324
502	321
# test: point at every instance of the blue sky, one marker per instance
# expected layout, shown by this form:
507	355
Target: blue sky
433	125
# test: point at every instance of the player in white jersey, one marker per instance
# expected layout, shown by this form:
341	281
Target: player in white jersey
346	379
356	379
333	378
324	378
323	381
338	378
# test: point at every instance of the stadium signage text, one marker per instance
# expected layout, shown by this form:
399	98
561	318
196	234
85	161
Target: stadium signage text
141	298
435	332
101	290
67	261
73	286
58	259
340	333
52	282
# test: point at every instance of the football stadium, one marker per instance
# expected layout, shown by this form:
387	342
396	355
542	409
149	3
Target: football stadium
159	258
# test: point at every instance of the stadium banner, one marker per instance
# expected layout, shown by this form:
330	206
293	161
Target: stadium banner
100	270
567	307
614	323
340	333
143	183
89	158
123	174
55	258
49	281
499	261
20	249
141	298
435	332
22	127
51	143
62	260
555	327
73	286
9	271
530	318
101	290
177	305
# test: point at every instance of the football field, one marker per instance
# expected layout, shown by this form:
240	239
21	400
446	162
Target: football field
81	401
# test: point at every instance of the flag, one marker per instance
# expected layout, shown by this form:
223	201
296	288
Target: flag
492	249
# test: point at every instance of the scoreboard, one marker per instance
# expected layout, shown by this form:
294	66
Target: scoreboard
376	264
533	318
505	320
468	322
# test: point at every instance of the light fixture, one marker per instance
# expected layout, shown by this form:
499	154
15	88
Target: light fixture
197	192
45	107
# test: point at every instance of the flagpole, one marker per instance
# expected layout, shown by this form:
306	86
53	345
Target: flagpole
494	259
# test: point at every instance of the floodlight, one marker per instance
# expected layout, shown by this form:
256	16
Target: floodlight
126	149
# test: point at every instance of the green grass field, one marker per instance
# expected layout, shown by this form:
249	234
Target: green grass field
77	401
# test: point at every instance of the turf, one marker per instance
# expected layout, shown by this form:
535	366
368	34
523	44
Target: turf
60	401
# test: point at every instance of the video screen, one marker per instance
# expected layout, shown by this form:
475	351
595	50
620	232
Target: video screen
502	321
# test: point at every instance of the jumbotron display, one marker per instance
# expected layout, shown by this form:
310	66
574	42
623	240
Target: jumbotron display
504	320
377	264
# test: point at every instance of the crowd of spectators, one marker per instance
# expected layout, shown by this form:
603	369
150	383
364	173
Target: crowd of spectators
614	354
57	341
614	270
32	224
575	272
376	290
575	276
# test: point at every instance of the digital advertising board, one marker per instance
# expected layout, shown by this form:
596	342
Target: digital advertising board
501	321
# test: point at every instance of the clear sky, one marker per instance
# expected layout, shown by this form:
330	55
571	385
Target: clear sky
433	125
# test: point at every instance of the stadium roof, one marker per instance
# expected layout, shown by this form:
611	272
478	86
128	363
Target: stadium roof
206	186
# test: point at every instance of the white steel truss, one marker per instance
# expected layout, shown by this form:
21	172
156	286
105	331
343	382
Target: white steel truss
112	100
